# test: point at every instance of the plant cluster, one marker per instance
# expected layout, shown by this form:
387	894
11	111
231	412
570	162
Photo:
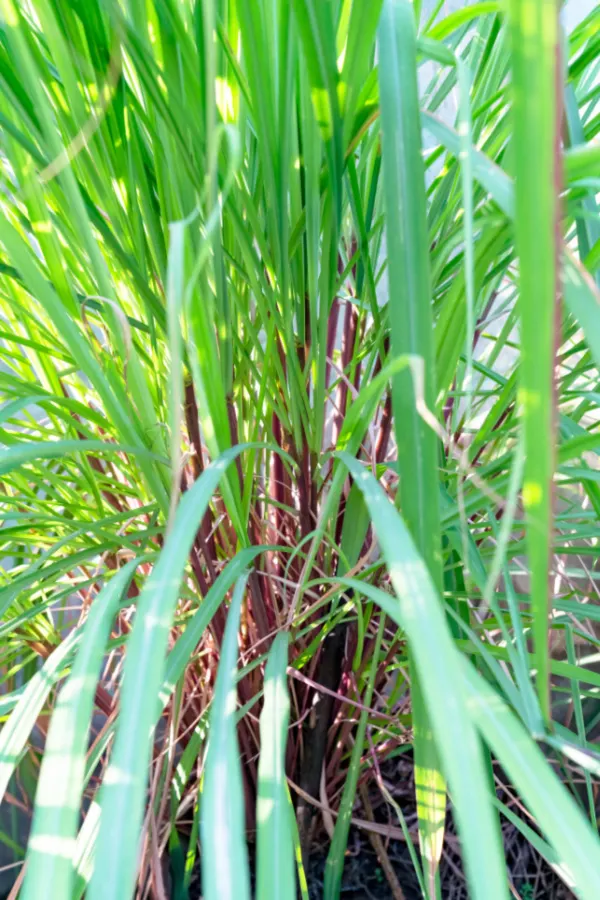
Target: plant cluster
299	352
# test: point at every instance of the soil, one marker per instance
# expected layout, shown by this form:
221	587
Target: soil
364	879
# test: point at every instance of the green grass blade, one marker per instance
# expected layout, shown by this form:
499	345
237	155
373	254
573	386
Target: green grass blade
58	796
123	790
225	871
84	849
411	332
20	454
175	290
408	265
302	880
583	299
459	17
558	815
418	610
16	731
362	27
544	849
582	161
275	867
316	28
535	55
176	663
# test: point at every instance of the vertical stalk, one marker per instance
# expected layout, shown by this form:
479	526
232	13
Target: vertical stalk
536	71
411	332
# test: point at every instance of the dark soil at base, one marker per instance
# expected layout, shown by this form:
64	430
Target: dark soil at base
364	879
531	877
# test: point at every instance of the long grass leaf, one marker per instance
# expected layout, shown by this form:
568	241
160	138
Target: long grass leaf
535	56
571	836
418	610
275	868
411	331
123	790
58	796
20	454
16	731
225	870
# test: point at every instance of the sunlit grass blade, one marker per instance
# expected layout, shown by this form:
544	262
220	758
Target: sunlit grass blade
28	451
317	32
536	70
411	333
123	790
547	798
58	796
362	28
458	17
571	836
419	611
275	867
15	733
225	871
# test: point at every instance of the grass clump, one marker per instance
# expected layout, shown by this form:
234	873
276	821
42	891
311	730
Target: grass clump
299	337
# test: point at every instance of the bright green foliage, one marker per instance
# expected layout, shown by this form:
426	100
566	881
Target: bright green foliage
275	876
299	354
225	871
54	829
411	327
536	74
